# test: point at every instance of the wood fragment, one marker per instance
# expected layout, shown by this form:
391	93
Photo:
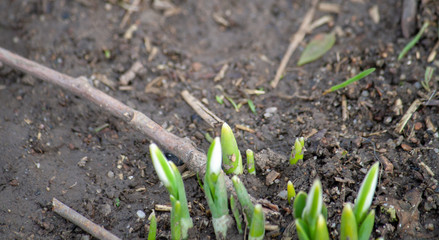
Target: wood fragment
430	126
244	128
149	88
162	208
412	109
427	168
433	53
129	75
221	73
330	7
297	38
201	110
82	222
344	108
374	14
130	9
271	227
321	21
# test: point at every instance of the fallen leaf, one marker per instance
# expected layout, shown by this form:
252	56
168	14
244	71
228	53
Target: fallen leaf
318	46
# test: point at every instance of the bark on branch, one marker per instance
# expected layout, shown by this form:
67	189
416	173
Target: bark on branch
184	149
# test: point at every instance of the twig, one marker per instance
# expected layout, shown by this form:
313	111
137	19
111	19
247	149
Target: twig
81	221
201	110
297	38
183	148
412	109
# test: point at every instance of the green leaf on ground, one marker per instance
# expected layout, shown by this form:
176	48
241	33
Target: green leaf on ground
413	42
318	46
357	77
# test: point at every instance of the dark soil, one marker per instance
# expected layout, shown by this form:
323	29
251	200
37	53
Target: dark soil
45	131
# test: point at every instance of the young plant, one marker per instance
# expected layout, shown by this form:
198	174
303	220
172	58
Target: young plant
291	192
297	151
250	162
216	191
231	155
413	42
427	78
257	226
311	214
357	77
235	211
357	223
243	198
152	226
171	179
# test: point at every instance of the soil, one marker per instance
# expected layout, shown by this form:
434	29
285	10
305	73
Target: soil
54	144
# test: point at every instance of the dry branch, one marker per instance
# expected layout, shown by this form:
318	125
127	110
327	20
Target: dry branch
183	148
297	38
81	221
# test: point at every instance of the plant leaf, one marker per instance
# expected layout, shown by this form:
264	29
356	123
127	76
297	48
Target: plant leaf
313	207
413	41
302	230
232	159
321	229
348	229
251	106
299	204
365	195
351	80
315	49
257	226
243	197
367	226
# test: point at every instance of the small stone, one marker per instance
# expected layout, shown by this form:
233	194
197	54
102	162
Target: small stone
365	93
418	126
271	110
110	174
388	120
141	214
83	161
406	147
269	179
430	227
85	237
105	209
283	194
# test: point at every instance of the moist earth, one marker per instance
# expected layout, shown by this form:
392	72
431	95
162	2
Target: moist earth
54	144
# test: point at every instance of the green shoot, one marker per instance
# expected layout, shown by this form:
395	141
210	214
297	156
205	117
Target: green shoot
216	191
250	162
220	99
310	214
208	137
232	158
413	41
117	202
152	226
359	76
233	103
291	192
171	178
251	106
357	223
427	78
297	151
257	225
243	198
235	211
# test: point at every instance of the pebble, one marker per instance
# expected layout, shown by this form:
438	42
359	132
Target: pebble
430	227
106	209
418	126
110	174
283	194
270	111
365	93
141	214
406	147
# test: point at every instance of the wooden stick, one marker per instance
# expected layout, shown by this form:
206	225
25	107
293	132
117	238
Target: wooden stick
412	109
81	221
207	115
297	38
183	148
